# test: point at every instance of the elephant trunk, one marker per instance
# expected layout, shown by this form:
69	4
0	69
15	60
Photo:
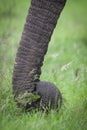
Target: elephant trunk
40	23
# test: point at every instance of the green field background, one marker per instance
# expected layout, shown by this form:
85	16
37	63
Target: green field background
65	65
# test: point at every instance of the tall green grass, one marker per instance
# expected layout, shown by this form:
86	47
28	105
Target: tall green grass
65	65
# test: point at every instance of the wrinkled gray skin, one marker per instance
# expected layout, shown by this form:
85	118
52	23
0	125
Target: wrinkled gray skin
40	23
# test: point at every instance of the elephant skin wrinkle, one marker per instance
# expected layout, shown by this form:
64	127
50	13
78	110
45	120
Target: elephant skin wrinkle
39	26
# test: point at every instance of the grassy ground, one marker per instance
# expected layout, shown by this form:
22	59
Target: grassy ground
65	65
